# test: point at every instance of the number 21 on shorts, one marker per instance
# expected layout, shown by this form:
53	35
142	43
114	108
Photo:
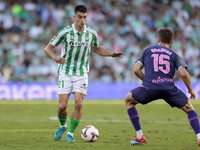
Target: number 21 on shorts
61	84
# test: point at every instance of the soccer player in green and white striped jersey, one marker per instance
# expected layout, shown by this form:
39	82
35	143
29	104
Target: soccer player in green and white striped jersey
76	41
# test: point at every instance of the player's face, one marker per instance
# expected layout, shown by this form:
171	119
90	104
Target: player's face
80	19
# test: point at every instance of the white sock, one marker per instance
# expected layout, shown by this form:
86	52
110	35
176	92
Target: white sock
70	133
198	136
63	125
139	133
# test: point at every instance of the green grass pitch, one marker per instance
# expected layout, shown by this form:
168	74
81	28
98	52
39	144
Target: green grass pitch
30	125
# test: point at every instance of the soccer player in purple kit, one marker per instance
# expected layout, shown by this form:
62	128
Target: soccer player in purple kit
160	63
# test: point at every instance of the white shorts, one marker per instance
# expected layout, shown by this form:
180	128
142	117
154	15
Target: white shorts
70	84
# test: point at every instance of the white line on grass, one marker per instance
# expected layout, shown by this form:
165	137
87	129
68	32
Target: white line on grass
120	121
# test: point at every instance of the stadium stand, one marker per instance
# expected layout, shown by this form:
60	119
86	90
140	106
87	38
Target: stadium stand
124	25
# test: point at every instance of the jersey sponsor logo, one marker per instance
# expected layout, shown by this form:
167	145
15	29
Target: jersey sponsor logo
159	80
72	43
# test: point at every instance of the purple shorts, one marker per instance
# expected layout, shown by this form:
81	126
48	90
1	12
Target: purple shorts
174	97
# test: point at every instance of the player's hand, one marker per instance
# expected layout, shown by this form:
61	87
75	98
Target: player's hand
193	95
60	60
118	54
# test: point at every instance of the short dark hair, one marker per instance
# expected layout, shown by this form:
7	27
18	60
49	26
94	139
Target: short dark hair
80	8
166	35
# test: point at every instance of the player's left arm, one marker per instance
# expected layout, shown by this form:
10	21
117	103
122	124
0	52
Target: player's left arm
103	52
181	67
138	70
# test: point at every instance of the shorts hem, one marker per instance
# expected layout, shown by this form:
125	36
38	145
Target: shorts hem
79	91
64	92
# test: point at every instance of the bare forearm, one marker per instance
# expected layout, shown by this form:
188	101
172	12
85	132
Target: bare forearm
101	51
139	74
186	79
49	52
138	70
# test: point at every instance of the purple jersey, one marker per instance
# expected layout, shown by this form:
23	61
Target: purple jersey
160	63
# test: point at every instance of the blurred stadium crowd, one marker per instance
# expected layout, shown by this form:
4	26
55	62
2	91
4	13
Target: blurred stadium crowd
122	25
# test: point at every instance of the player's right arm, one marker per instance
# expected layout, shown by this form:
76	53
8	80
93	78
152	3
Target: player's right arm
138	70
186	79
48	50
54	42
139	65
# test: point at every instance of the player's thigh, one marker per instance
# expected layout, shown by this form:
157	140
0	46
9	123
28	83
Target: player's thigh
63	99
80	84
144	95
65	84
175	98
79	97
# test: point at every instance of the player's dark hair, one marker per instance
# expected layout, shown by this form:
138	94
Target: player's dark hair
80	8
166	35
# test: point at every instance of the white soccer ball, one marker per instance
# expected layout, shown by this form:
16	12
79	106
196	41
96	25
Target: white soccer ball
90	133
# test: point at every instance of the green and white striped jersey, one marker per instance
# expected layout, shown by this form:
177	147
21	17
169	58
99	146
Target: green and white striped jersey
75	48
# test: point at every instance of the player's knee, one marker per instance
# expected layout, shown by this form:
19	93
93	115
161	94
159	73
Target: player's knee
130	101
188	107
127	98
127	101
78	104
62	107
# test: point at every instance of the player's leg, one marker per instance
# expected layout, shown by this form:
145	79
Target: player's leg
133	114
134	117
176	98
76	116
64	90
62	115
62	108
193	119
80	91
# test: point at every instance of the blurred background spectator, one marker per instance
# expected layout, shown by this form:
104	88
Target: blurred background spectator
122	25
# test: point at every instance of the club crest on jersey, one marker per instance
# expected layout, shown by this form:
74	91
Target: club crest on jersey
87	38
71	36
72	43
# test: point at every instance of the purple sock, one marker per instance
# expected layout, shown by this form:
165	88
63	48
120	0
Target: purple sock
134	117
194	121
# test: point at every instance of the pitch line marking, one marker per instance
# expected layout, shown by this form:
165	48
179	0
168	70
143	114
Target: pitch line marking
119	121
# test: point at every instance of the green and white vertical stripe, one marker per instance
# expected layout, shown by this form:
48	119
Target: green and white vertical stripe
85	57
75	48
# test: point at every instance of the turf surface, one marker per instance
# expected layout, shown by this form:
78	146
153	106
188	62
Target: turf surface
30	125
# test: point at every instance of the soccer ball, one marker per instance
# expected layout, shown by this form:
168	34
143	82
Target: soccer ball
90	133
